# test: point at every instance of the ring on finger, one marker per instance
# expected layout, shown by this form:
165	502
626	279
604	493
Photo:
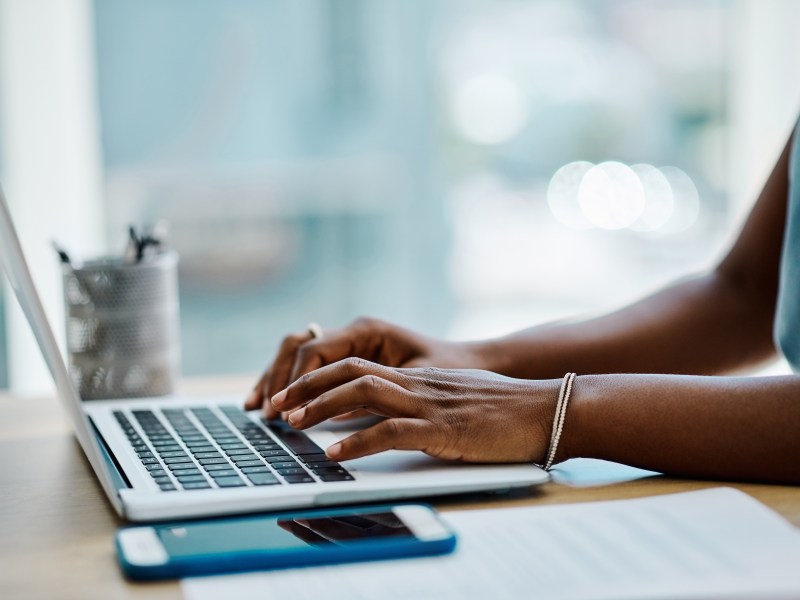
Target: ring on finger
315	329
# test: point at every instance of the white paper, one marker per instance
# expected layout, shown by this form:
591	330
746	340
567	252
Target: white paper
711	543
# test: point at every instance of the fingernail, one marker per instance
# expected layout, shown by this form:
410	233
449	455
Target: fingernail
279	398
297	416
334	451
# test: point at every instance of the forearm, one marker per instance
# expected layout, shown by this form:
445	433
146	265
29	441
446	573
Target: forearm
699	326
738	428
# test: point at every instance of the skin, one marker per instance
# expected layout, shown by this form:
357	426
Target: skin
494	400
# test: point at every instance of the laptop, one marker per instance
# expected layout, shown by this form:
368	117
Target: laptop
186	457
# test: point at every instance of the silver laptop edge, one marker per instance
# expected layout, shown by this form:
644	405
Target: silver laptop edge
16	268
389	476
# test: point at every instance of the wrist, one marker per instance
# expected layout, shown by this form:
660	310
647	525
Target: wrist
487	355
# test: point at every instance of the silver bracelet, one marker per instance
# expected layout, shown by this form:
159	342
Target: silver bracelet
558	421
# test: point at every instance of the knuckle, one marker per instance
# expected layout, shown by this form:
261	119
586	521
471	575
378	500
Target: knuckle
369	323
369	384
394	428
431	372
354	364
304	381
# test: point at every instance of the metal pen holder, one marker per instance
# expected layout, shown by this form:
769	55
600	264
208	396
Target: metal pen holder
123	328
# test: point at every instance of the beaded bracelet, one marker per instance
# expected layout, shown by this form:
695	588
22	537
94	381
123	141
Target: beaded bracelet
558	421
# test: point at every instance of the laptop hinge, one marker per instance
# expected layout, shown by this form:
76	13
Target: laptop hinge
118	477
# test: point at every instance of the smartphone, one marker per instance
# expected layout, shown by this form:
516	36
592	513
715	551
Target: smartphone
256	542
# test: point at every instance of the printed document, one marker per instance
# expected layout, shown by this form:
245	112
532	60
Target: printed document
705	544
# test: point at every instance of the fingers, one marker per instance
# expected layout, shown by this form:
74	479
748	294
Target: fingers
301	353
256	397
276	376
356	414
369	392
392	434
281	369
314	384
335	345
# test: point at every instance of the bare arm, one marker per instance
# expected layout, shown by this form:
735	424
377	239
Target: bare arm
716	323
737	428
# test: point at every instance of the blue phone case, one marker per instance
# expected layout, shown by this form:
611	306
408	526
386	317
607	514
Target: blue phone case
271	558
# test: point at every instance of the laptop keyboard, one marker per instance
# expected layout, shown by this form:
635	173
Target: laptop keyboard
195	449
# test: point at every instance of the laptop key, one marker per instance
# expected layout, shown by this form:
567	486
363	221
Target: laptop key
212	461
200	455
190	478
266	453
173	460
232	445
297	442
224	440
196	485
238	451
299	479
283	457
263	479
337	477
249	463
230	481
292	471
154	466
243	457
285	465
203	448
145	454
167	448
225	473
307	458
322	465
171	453
217	467
162	479
183	467
330	471
150	461
158	473
167	487
259	469
266	446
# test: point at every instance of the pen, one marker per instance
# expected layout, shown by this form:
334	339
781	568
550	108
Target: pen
62	254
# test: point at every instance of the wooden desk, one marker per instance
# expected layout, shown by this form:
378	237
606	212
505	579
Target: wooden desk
56	525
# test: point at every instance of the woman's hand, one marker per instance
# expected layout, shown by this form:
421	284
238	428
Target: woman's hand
370	339
468	415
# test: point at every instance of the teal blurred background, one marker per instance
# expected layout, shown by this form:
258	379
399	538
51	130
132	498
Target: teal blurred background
320	160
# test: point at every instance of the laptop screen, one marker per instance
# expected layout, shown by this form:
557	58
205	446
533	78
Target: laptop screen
16	269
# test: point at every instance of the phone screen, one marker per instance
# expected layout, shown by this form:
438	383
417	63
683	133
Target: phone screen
237	535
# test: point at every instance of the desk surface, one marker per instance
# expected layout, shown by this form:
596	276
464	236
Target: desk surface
56	524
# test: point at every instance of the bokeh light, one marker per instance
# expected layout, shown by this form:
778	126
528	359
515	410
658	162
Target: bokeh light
686	198
659	199
562	194
611	196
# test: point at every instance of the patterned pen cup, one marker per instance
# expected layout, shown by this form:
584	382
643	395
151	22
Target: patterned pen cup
123	327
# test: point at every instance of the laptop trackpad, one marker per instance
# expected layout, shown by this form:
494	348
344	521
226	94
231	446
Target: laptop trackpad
391	461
